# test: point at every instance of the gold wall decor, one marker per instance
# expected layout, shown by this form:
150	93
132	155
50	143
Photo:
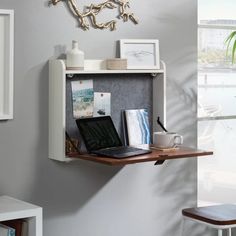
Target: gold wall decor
90	13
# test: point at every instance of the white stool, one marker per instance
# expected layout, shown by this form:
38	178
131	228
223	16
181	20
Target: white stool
220	217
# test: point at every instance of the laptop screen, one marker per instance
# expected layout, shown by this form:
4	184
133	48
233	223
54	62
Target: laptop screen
98	133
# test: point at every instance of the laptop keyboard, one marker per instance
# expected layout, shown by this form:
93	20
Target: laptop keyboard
121	152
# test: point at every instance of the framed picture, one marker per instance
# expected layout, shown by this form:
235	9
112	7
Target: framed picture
6	64
140	53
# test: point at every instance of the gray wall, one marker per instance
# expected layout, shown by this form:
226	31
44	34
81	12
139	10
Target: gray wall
89	199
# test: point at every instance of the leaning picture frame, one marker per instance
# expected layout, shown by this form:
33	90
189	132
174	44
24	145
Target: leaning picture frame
140	53
6	63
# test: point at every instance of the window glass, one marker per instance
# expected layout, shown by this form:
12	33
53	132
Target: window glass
216	102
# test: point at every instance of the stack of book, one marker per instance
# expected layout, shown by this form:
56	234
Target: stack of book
18	227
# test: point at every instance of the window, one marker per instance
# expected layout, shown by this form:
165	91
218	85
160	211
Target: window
216	103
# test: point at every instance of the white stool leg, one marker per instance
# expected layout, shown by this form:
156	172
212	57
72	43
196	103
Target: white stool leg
182	226
229	232
220	232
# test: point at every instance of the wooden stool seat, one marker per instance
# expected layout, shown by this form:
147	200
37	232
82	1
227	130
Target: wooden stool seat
219	216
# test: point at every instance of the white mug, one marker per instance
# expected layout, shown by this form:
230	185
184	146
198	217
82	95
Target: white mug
167	139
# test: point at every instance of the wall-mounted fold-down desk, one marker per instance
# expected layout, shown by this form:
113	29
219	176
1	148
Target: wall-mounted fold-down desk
158	156
59	75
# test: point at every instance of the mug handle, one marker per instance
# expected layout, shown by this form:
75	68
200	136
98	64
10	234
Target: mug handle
178	140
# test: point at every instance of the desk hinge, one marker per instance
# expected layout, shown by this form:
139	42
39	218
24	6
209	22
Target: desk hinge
159	162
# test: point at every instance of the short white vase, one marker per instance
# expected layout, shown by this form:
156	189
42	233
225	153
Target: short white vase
75	57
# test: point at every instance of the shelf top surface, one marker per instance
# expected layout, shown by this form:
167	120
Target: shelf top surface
12	205
156	155
114	71
99	67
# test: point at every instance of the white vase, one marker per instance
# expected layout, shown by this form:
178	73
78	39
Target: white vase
75	58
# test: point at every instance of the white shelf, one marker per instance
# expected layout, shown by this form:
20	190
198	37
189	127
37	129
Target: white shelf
99	67
114	71
11	208
6	63
57	99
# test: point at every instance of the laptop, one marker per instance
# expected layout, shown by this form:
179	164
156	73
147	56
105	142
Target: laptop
100	137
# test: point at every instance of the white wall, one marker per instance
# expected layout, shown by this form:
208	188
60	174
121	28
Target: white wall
84	198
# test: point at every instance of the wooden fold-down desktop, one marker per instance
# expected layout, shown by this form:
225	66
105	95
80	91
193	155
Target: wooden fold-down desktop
158	156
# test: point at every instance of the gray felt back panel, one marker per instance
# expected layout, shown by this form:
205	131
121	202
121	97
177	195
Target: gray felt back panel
127	92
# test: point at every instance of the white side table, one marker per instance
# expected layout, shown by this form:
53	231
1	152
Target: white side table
11	209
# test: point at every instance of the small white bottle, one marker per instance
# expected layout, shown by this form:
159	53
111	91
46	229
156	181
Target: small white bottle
75	58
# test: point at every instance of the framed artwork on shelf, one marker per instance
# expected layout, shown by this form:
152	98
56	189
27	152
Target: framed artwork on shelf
140	53
6	63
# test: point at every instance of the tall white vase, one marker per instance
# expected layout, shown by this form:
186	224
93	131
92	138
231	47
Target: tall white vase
75	57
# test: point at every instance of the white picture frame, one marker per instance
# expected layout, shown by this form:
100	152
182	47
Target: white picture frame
140	53
6	63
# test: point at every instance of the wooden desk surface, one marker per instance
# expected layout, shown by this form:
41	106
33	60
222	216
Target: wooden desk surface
218	215
156	155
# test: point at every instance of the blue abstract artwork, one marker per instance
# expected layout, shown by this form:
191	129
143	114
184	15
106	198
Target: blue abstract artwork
137	124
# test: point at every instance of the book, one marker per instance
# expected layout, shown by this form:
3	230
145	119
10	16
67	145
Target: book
15	224
137	126
6	230
25	228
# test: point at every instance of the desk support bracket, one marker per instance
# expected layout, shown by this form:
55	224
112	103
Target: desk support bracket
159	162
